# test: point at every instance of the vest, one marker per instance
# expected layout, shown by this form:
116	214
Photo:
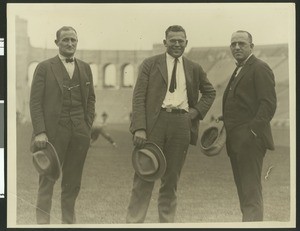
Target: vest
72	109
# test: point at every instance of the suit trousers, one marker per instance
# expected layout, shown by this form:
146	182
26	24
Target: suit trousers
246	154
172	134
71	144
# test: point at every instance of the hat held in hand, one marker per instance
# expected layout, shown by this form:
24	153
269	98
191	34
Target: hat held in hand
213	139
46	162
149	162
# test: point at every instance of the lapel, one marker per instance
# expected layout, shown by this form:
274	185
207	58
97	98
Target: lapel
162	66
244	70
58	68
240	75
188	73
227	87
187	67
82	78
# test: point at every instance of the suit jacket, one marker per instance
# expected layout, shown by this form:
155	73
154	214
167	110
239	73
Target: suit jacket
46	96
253	101
151	88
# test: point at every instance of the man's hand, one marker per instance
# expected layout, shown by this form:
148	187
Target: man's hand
40	140
193	113
139	138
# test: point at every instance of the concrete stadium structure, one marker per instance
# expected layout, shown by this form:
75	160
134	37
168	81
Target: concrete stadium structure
115	72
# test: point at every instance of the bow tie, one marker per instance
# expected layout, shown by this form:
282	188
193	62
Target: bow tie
69	60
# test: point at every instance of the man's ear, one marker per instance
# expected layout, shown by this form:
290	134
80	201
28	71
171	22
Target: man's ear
165	42
186	42
252	45
55	41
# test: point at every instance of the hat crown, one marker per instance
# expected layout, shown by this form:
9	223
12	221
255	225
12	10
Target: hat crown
42	159
147	162
209	137
46	162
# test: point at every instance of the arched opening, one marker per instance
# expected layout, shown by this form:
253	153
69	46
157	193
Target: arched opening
94	69
128	75
110	76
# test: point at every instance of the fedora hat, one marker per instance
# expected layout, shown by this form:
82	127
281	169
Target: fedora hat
149	162
46	162
213	139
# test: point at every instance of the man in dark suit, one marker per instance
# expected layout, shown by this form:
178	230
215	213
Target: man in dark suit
62	107
249	103
166	110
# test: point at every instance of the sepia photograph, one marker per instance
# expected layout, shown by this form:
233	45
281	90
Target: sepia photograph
138	115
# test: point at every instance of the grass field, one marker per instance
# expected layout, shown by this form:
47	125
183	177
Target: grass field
206	191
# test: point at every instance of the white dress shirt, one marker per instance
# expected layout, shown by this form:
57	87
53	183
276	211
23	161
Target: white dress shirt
69	66
178	99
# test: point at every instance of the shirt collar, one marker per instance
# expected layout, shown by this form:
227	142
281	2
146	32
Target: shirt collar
63	58
171	58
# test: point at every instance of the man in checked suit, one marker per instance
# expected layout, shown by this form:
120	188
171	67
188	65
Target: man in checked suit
62	107
166	110
249	103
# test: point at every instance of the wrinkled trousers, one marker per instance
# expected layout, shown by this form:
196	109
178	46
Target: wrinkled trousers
172	134
71	144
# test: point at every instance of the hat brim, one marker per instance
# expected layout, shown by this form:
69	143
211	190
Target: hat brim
214	147
160	158
54	170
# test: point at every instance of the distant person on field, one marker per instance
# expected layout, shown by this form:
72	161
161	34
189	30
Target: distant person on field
249	104
62	107
99	129
167	109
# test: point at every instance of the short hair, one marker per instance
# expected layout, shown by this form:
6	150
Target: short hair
64	28
175	28
249	35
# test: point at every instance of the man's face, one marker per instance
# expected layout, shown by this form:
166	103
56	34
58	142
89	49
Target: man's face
67	43
175	43
240	46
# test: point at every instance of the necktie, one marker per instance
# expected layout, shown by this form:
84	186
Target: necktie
231	81
69	60
173	78
235	72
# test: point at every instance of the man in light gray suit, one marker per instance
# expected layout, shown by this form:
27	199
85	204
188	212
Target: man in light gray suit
166	110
